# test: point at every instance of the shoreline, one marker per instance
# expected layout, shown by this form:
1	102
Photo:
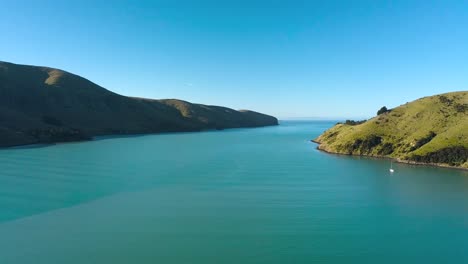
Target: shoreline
397	160
112	136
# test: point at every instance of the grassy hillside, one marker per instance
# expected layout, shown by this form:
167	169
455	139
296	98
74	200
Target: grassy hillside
40	104
429	130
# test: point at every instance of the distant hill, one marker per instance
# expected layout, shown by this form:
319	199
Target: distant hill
43	105
429	130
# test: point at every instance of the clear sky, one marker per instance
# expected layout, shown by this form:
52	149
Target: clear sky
323	59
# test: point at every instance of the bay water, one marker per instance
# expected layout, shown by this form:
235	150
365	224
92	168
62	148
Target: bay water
262	195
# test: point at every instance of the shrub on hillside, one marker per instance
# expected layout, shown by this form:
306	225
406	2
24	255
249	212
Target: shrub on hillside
382	110
353	123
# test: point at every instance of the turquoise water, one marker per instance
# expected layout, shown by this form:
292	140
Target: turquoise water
262	195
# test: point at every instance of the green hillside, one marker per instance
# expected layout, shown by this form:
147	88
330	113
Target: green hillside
429	130
40	104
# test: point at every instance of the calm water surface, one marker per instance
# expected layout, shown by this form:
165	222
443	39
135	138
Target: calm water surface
261	195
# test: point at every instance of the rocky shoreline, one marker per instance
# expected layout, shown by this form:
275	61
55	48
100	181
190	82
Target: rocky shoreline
397	160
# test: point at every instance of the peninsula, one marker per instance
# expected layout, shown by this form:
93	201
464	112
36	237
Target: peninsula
431	130
47	105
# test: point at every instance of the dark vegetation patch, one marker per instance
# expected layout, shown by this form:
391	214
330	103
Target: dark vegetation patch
461	108
386	149
445	100
333	134
353	123
452	155
422	141
364	146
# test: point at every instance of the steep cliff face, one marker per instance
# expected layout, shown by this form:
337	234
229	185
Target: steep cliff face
428	130
40	104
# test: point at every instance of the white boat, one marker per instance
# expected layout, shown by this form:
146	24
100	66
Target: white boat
391	167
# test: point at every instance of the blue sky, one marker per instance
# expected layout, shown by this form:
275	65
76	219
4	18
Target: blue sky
326	59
